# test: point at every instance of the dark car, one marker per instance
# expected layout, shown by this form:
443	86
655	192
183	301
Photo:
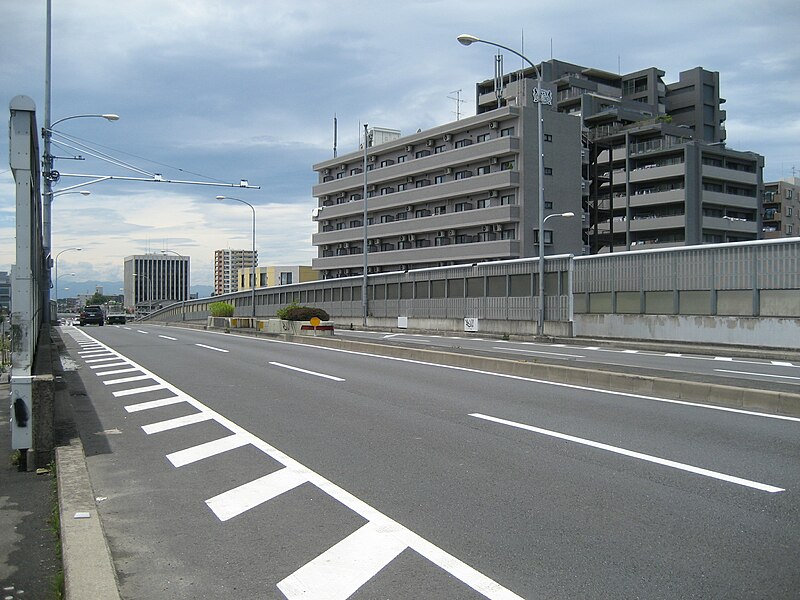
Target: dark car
91	315
113	318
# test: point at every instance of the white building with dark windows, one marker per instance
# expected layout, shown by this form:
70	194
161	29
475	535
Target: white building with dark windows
227	264
153	280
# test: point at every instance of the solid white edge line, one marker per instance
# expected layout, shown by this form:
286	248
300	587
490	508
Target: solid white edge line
633	454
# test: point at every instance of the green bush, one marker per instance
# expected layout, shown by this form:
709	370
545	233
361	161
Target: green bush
221	309
295	312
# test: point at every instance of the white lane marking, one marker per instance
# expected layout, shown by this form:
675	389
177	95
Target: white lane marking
570	386
140	331
445	561
277	364
781	363
86	353
128	328
154	404
126	379
212	348
201	451
757	374
339	572
536	352
630	352
254	493
673	355
105	366
166	337
723	358
117	371
198	417
391	335
558	345
139	390
646	457
591	348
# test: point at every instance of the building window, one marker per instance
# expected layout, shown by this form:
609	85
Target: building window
485	170
438	149
463	174
401	158
508	199
339	175
548	137
463	143
356	171
548	204
387	218
789	211
548	170
438	179
462	206
508	234
370	167
548	236
387	190
789	229
355	223
340	226
507	131
439	210
483	203
507	165
354	197
482	137
387	162
422	153
422	212
422	183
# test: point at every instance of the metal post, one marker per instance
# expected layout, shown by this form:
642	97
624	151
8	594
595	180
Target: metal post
47	162
364	288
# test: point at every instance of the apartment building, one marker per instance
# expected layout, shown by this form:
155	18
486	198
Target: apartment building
656	170
781	217
459	193
227	263
5	292
276	275
155	279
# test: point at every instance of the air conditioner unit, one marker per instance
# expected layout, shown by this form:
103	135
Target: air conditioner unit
410	179
371	188
486	228
326	171
495	160
493	125
498	227
430	143
402	238
412	237
326	222
377	241
451	232
441	233
409	148
494	194
409	208
343	167
371	158
449	170
323	198
447	137
346	245
340	245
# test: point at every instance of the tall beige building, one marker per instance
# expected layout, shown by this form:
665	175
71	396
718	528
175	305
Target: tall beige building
227	263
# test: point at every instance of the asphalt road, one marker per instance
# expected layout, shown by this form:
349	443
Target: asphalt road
235	467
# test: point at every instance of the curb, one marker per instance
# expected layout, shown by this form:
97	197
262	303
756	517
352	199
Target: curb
88	568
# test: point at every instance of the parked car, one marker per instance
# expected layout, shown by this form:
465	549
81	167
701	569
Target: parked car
113	318
91	314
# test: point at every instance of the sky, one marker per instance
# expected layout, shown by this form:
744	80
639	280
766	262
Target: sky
219	91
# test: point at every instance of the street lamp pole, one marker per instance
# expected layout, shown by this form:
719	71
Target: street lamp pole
539	98
56	264
364	283
255	258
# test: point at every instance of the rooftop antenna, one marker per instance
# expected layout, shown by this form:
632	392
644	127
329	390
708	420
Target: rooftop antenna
335	133
458	102
498	78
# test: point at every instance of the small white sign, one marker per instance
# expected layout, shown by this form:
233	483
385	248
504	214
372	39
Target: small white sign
470	324
402	322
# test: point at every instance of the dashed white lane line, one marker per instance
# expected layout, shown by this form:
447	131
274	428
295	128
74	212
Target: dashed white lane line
166	337
140	331
645	457
520	350
211	348
756	374
306	371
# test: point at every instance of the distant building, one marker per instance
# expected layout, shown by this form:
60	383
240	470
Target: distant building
276	275
227	263
781	216
5	292
155	279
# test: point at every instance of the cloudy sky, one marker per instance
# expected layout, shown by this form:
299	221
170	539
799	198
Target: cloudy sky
213	90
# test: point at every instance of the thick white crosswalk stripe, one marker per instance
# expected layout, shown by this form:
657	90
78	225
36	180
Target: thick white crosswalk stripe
127	379
241	499
175	423
195	453
154	404
140	390
337	573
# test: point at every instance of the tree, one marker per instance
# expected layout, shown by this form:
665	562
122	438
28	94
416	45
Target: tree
97	298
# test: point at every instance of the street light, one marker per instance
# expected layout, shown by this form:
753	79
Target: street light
64	193
539	97
56	264
565	215
255	258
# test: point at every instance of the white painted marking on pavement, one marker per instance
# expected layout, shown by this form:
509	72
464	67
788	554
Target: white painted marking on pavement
757	374
277	364
139	390
86	353
177	422
126	379
117	371
241	499
536	352
646	457
105	366
201	451
339	572
723	358
781	363
97	360
154	404
212	348
166	337
140	331
673	355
